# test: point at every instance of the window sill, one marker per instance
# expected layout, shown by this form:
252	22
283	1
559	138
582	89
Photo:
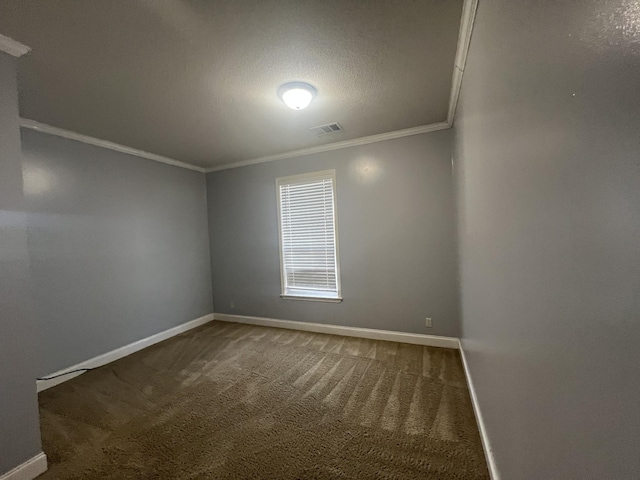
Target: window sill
312	299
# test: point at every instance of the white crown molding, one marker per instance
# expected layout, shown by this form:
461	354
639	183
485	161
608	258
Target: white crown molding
370	333
78	137
336	146
13	47
464	38
28	470
119	353
488	452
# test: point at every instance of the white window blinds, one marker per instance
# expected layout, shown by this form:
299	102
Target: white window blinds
308	240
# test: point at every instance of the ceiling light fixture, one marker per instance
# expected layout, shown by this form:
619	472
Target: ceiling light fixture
297	95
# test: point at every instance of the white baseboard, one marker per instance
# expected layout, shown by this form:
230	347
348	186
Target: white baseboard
28	470
413	338
488	453
121	352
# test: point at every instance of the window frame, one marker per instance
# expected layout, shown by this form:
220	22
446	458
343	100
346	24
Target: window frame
324	174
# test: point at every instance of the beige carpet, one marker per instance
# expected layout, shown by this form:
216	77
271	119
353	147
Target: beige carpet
230	401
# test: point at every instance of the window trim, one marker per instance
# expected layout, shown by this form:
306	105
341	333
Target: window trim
310	297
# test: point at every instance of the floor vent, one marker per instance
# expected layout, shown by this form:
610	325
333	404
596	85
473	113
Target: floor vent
327	129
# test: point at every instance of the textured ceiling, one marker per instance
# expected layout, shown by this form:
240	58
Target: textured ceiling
197	80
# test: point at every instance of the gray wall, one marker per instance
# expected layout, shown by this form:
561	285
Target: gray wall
396	233
19	427
118	245
547	154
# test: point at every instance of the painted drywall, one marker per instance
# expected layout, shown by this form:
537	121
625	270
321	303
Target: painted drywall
197	81
396	237
19	424
547	165
118	245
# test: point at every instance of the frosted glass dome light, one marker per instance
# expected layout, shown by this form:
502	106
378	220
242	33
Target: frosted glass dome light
297	95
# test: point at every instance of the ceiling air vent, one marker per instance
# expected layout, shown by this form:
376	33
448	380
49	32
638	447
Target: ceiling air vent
327	129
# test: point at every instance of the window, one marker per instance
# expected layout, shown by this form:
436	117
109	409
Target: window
309	265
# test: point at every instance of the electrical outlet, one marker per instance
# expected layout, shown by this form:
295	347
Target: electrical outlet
232	305
428	322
